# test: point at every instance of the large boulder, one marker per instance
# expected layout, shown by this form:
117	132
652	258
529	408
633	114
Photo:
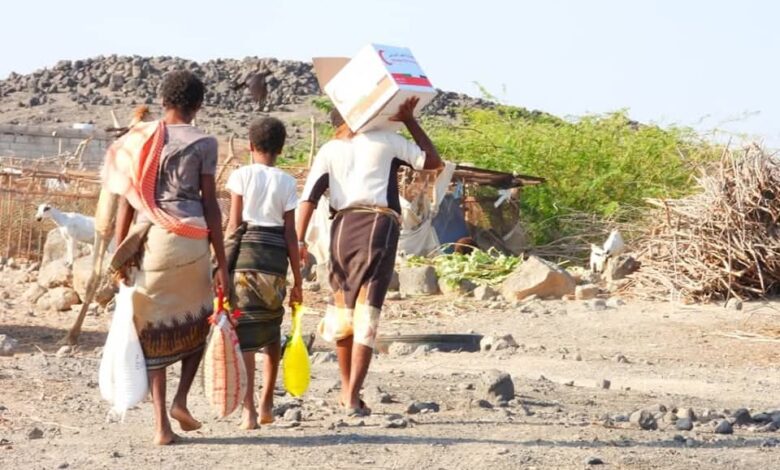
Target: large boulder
536	276
55	248
55	274
418	280
59	299
82	270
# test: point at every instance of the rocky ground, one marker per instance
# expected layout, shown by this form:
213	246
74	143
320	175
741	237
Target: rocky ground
84	91
634	385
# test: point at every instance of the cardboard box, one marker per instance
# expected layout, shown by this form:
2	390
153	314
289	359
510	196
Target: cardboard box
368	89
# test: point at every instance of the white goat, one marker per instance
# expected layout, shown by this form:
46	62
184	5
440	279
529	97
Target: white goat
73	227
613	247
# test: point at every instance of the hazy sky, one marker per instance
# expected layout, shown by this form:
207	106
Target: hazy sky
710	64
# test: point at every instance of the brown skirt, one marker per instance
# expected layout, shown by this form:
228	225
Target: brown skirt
174	297
362	252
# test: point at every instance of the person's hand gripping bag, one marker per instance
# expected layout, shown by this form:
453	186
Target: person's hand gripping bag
296	358
224	372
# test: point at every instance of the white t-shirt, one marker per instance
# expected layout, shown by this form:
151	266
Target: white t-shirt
362	171
268	193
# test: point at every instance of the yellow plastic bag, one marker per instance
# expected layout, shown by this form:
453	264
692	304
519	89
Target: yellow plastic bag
296	358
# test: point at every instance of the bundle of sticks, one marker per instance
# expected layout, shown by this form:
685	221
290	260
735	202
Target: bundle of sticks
720	243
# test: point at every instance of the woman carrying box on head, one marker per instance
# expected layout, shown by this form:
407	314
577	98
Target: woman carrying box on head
361	172
261	239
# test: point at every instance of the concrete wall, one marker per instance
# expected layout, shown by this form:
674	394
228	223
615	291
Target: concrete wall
38	141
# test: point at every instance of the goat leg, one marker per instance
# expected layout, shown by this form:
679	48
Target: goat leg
104	230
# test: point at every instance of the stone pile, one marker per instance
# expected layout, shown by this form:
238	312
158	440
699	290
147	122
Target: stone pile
127	81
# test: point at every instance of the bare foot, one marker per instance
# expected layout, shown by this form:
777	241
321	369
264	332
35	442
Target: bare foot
165	437
185	419
249	420
266	414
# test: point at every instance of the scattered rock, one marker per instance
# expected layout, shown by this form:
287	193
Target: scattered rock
64	351
293	415
724	427
768	427
536	276
484	404
396	423
35	433
484	293
644	420
497	385
33	293
59	299
55	274
323	357
400	349
377	395
686	413
683	424
605	384
82	270
394	295
395	283
734	304
771	442
619	267
422	407
586	292
418	280
597	304
497	343
8	345
464	287
762	417
742	417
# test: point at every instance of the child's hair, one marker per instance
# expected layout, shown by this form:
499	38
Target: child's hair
182	90
268	135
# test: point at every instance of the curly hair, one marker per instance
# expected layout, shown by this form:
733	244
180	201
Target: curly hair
182	90
268	135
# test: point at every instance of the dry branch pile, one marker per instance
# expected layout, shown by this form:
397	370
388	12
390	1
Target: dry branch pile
723	242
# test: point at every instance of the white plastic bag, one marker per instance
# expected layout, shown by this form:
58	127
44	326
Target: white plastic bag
122	377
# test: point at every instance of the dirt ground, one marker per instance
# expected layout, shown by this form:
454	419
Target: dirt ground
653	354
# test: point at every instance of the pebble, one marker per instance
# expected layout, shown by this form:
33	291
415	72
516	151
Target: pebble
35	433
502	451
400	349
497	385
398	423
293	415
597	305
734	304
605	384
8	345
683	424
393	295
466	386
619	358
484	404
422	407
578	357
64	351
594	461
771	442
644	420
742	417
615	302
63	465
724	427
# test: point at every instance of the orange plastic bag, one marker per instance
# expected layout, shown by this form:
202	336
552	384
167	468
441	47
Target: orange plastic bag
224	372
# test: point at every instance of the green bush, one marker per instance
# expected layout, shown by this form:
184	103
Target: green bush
600	164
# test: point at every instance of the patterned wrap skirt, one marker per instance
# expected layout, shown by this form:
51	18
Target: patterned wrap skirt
173	297
259	260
